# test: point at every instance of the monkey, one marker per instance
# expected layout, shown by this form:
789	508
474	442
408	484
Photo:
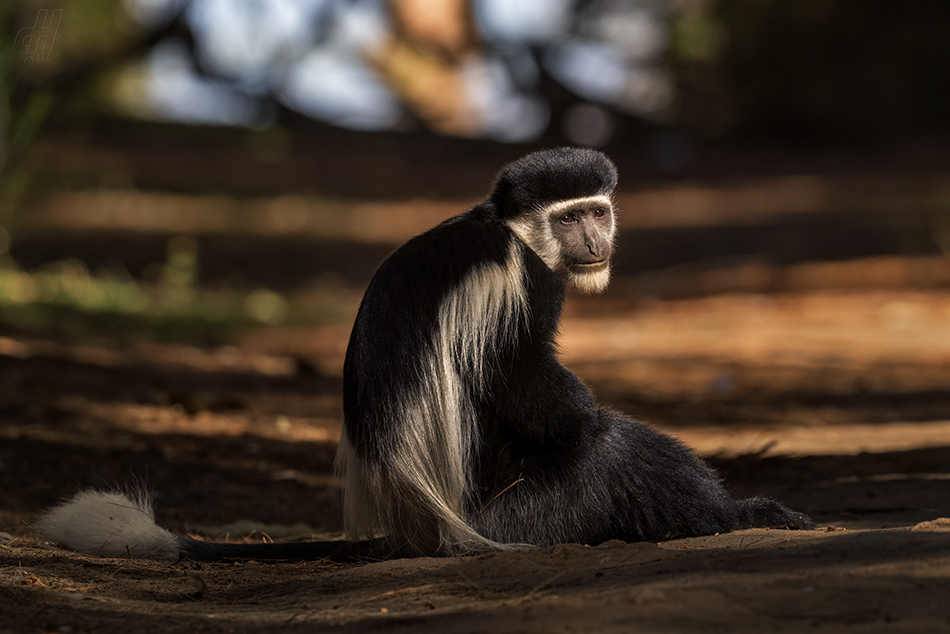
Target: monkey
462	431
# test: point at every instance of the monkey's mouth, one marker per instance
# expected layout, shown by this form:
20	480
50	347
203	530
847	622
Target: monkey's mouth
590	267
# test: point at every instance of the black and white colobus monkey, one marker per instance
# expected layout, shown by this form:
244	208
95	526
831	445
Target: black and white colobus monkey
462	431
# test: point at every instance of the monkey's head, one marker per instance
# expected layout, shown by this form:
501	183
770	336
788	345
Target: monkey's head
558	202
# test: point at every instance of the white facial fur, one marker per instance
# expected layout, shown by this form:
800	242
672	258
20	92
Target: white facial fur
534	229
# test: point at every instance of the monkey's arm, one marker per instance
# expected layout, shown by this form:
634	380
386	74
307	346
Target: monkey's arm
542	403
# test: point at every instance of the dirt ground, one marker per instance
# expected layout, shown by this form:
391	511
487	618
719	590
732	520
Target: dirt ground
837	404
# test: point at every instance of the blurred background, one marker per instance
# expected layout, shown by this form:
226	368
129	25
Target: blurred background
205	164
195	193
201	165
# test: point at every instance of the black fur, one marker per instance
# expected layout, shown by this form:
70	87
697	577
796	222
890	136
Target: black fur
462	431
550	464
549	176
397	318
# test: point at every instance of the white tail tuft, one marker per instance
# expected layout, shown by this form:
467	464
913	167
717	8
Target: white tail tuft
109	524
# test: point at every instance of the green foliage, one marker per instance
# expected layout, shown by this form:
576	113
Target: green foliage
697	38
65	297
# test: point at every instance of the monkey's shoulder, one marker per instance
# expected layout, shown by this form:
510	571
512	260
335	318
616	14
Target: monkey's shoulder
442	256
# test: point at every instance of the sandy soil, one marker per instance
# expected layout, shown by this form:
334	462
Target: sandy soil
835	404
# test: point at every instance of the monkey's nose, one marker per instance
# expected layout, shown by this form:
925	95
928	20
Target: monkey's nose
596	250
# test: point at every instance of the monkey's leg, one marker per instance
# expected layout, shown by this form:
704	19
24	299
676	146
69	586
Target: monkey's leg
627	481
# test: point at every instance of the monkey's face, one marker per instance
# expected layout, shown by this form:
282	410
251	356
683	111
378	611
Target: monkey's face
574	238
585	232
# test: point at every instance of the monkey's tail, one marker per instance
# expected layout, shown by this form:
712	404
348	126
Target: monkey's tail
762	512
117	524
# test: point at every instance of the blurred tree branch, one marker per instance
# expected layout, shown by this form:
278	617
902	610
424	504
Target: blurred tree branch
422	61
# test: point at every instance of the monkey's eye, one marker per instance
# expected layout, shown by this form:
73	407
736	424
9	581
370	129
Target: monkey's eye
568	219
600	212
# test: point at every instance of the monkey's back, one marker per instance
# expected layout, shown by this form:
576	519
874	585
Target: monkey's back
389	351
